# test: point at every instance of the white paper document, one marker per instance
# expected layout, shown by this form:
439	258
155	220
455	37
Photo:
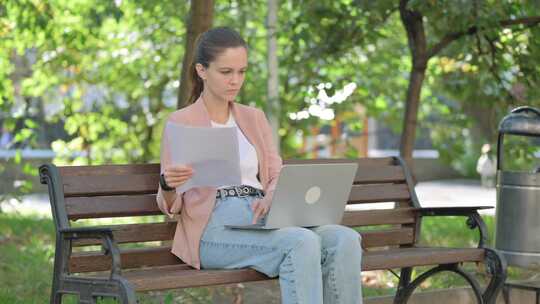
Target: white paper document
211	152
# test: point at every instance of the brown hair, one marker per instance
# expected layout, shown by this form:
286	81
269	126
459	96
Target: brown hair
211	44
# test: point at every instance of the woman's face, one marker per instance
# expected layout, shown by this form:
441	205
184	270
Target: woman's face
223	78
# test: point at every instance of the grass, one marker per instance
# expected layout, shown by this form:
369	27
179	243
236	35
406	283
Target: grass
27	247
27	255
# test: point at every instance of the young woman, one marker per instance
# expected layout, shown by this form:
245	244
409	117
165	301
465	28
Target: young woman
314	265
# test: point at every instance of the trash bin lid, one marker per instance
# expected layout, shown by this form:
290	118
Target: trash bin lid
521	121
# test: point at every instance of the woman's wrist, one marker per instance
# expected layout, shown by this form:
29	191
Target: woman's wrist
163	184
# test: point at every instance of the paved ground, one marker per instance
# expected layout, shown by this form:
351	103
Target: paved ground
455	192
459	192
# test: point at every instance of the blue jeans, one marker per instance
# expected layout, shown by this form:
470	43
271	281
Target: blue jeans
319	265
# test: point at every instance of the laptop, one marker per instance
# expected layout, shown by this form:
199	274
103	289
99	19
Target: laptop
308	195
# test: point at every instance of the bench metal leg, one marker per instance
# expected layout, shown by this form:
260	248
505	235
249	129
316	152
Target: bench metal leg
506	294
496	267
404	282
405	293
88	289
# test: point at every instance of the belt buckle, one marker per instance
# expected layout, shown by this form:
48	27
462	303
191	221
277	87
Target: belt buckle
240	191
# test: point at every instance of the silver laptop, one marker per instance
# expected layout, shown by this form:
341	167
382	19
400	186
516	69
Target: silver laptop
308	195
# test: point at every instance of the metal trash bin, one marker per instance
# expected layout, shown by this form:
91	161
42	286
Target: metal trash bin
518	197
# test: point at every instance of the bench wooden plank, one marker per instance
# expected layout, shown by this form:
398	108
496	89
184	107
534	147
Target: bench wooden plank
159	256
386	171
136	179
387	174
166	278
111	184
162	231
101	170
419	256
378	193
182	276
111	206
133	233
387	237
362	162
379	217
132	169
141	205
131	258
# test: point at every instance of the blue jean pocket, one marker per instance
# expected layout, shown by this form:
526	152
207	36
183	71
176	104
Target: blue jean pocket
231	211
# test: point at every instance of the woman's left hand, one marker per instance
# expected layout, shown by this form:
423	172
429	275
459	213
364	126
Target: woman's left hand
259	207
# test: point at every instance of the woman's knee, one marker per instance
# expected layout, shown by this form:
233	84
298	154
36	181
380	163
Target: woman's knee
338	236
301	239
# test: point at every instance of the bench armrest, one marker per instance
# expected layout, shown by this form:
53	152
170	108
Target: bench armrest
109	246
474	219
450	211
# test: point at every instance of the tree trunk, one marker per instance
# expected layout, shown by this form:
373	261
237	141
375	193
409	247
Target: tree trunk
413	23
201	15
484	123
273	108
408	135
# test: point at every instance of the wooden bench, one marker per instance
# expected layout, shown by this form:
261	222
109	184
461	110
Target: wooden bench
143	262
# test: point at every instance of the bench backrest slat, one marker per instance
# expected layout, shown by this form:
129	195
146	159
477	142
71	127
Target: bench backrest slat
378	193
111	206
109	179
111	185
131	233
164	231
130	191
379	217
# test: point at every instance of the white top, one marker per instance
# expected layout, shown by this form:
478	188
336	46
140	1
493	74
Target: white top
249	163
486	166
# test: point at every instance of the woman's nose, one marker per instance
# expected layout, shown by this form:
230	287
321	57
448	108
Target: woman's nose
235	78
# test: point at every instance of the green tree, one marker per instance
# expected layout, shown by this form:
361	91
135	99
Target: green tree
201	16
432	27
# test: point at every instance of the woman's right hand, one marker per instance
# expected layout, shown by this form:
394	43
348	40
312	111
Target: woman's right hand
177	175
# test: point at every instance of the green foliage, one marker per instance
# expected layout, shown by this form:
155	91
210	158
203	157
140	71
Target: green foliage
519	154
109	70
126	52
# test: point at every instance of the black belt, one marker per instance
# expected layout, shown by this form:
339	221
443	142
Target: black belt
238	191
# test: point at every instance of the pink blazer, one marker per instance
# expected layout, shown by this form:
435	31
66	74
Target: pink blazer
192	208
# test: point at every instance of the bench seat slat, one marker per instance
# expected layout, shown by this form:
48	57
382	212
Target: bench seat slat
420	256
182	276
158	256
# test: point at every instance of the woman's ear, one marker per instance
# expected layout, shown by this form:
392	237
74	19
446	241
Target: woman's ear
201	71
